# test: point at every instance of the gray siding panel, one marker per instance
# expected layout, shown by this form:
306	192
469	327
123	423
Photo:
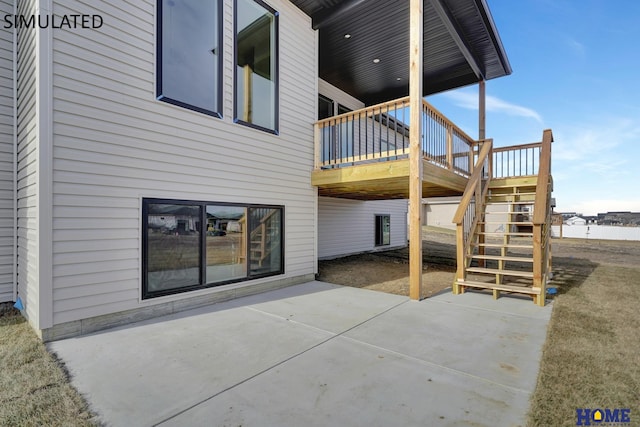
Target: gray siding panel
27	167
7	245
114	143
348	226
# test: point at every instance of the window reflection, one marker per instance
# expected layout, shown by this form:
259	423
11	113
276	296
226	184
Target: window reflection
226	243
266	240
192	245
173	255
256	68
190	68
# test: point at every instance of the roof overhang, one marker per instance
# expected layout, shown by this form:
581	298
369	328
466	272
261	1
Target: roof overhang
461	45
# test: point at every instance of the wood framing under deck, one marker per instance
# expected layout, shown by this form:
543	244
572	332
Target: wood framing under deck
385	180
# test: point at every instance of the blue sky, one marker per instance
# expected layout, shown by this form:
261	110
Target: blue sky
576	70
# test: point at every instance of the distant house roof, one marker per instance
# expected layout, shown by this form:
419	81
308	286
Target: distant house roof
461	45
576	220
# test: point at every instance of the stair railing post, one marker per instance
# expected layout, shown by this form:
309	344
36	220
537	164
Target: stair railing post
460	259
317	140
472	149
480	219
537	263
449	147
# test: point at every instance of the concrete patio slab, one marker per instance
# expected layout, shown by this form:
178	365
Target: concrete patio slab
349	383
476	341
317	354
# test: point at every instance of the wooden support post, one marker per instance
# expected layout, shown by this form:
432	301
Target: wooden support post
317	140
549	255
449	147
482	135
482	100
415	149
460	260
537	263
481	219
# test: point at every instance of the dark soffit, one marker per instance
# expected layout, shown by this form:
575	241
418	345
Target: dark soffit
380	29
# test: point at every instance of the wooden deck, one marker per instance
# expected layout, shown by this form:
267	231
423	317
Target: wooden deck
385	180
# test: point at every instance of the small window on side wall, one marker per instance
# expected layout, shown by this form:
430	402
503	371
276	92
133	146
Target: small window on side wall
189	54
383	230
256	59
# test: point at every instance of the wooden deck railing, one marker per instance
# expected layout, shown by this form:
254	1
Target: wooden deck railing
469	210
444	143
381	133
542	219
516	160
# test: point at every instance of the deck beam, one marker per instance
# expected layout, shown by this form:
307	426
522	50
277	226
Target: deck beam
415	148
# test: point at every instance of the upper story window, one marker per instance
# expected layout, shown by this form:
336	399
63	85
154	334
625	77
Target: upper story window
256	59
189	56
325	107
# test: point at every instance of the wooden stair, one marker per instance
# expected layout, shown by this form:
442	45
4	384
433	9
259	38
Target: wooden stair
503	221
503	227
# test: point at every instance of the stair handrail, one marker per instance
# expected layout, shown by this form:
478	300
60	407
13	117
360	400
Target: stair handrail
542	219
467	216
474	179
540	207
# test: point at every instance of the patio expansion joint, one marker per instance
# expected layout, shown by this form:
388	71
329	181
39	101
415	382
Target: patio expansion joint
332	337
444	368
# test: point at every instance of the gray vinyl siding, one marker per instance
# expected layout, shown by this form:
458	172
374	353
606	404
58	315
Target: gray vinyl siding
27	167
7	245
348	226
439	211
114	144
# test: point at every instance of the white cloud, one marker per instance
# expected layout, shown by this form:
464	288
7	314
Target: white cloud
578	48
469	101
593	141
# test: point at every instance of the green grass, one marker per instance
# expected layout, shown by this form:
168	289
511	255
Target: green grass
591	358
34	387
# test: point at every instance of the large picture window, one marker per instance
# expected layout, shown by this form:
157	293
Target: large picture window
256	59
189	56
192	245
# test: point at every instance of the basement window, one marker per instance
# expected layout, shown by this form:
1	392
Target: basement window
383	230
189	54
194	245
256	59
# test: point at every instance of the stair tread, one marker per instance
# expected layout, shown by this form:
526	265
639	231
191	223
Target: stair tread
502	233
507	213
503	258
528	274
500	245
506	288
518	202
507	222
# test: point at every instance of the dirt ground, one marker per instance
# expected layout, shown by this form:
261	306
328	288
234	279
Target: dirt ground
573	260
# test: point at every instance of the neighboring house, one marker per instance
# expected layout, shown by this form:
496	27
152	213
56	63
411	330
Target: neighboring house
576	220
171	157
625	218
